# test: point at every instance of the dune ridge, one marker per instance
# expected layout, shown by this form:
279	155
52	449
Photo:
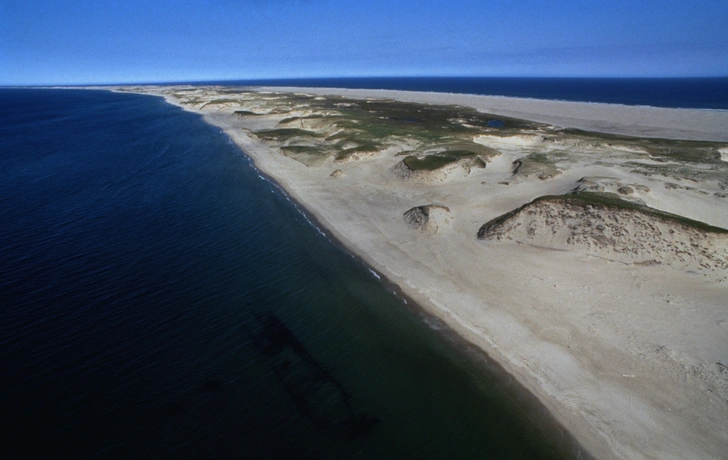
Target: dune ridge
623	234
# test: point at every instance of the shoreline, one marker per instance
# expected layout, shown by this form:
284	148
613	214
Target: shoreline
300	83
333	89
592	378
536	412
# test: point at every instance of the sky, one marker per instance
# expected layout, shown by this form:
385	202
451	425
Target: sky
108	41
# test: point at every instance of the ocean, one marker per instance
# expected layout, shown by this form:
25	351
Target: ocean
161	299
697	93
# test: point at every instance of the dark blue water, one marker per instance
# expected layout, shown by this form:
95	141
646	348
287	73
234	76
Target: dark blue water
160	300
699	93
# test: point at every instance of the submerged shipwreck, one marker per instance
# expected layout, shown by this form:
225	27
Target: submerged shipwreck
318	395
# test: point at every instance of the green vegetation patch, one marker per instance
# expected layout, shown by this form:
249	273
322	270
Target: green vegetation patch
372	125
307	149
190	100
459	153
223	101
346	135
283	134
364	147
479	149
293	119
379	119
536	164
441	159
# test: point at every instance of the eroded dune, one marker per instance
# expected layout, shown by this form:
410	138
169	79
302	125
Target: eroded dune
629	235
428	218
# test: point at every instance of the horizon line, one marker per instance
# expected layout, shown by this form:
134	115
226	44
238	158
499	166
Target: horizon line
349	77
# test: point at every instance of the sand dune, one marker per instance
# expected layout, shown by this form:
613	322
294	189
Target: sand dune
618	234
428	218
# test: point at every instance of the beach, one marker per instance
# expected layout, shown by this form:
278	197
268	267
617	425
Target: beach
628	354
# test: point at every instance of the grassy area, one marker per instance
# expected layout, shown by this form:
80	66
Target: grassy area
422	122
458	153
223	101
369	125
380	119
307	149
478	149
439	160
285	134
361	148
536	164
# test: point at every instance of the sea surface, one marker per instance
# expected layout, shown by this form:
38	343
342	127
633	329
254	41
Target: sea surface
698	93
160	299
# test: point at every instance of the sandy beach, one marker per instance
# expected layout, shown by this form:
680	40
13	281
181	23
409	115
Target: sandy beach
628	352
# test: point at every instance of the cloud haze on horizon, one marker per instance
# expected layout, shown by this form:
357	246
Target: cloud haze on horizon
67	42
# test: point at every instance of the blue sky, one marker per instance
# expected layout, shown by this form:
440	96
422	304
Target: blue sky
80	41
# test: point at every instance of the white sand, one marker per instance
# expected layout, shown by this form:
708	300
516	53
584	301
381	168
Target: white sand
624	356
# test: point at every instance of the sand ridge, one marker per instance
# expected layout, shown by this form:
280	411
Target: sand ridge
629	356
623	235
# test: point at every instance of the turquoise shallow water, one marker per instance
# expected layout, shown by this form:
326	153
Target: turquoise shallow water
161	300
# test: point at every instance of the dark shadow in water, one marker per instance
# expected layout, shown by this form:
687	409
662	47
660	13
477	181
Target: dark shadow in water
317	394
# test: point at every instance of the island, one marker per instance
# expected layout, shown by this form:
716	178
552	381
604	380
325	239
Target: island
583	247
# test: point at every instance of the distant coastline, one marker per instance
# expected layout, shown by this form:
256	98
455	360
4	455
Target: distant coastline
619	119
690	93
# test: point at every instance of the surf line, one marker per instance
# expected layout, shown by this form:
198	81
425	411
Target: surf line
535	411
